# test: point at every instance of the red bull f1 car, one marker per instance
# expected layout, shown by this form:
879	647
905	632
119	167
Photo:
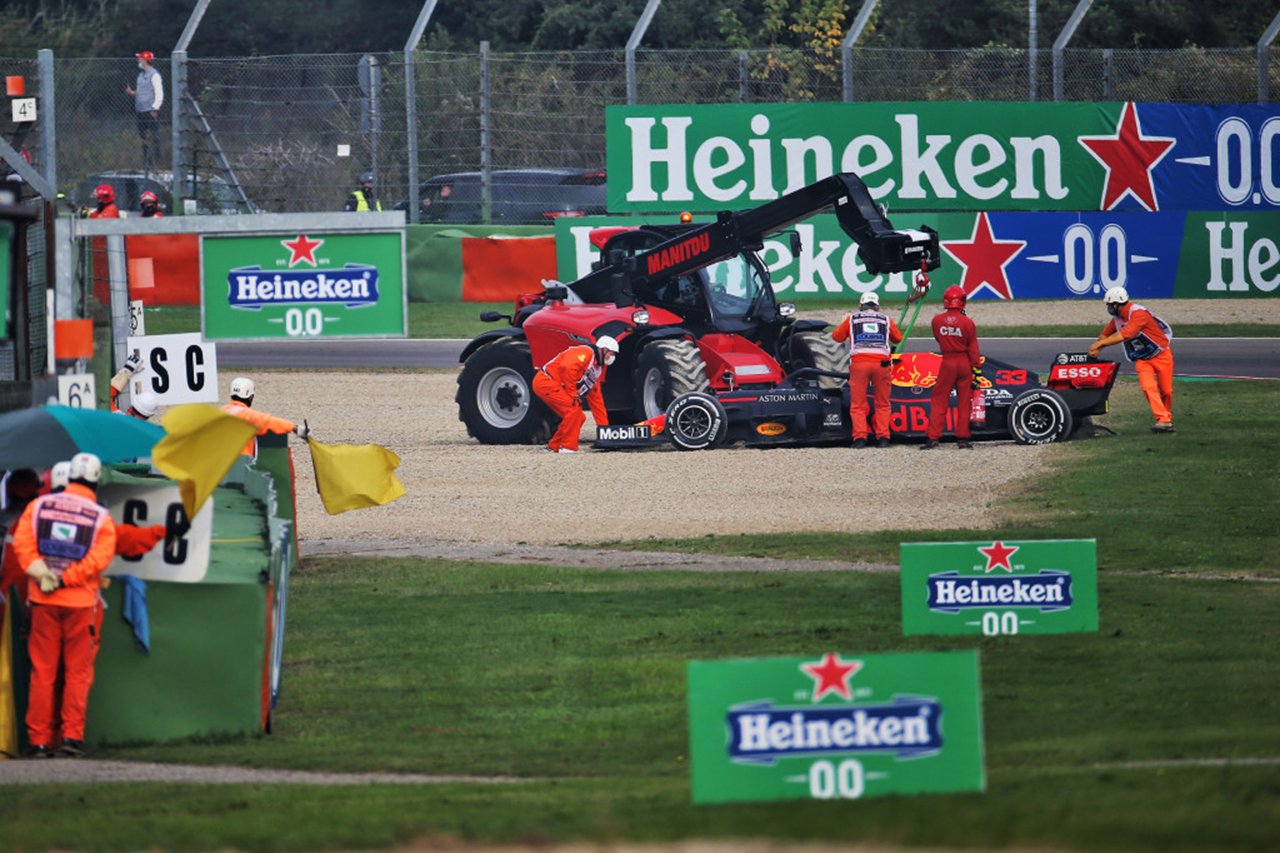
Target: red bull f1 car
799	410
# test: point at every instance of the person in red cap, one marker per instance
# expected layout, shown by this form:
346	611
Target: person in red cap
149	203
148	97
957	339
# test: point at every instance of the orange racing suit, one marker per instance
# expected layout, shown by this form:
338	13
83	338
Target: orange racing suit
562	383
1146	344
870	334
264	422
76	538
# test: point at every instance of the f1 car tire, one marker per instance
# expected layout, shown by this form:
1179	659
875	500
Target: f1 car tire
818	349
1039	416
495	396
665	370
697	421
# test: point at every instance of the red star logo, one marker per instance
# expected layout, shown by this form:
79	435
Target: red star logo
998	554
831	675
984	259
302	249
1128	158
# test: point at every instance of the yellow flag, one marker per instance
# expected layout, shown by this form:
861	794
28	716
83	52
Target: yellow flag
354	476
201	445
8	716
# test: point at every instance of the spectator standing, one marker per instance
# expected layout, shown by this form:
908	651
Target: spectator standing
364	198
957	339
149	204
105	196
148	97
870	334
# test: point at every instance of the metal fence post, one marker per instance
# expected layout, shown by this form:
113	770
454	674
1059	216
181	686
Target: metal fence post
846	47
1060	43
411	105
744	77
486	155
1031	50
1264	56
637	33
1108	74
370	78
177	94
48	118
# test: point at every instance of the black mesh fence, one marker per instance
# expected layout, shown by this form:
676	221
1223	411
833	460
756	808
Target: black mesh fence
294	133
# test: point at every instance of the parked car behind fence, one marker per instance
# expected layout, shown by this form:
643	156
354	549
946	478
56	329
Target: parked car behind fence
519	196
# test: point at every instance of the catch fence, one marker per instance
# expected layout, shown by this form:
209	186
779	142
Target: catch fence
293	133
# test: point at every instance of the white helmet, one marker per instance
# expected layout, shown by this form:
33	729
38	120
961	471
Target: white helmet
608	348
869	298
59	476
145	404
1116	296
242	388
86	467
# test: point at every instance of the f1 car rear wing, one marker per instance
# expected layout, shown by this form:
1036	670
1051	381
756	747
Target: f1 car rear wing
881	248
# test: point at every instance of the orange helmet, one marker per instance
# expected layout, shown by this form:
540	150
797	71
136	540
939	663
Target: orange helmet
953	297
146	55
148	196
104	193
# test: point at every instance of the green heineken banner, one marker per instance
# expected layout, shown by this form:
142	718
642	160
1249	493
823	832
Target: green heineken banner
1229	254
948	156
992	588
300	286
835	726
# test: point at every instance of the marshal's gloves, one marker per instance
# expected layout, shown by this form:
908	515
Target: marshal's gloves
302	431
132	365
40	572
977	378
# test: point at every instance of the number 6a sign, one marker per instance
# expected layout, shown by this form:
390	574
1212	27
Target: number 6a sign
177	368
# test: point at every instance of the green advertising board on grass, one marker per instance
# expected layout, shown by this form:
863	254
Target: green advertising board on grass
1045	586
299	286
835	726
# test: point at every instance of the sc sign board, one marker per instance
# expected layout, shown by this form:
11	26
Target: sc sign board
177	368
182	560
302	287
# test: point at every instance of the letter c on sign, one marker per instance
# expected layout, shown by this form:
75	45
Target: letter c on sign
195	363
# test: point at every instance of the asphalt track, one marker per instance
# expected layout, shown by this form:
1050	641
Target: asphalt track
1244	358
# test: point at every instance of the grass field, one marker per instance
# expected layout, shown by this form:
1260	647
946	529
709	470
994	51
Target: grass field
461	320
1158	732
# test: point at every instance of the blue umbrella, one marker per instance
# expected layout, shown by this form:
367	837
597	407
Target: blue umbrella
41	436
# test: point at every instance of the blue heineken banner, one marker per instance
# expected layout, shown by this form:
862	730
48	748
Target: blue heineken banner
994	588
299	286
1013	255
948	156
835	726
